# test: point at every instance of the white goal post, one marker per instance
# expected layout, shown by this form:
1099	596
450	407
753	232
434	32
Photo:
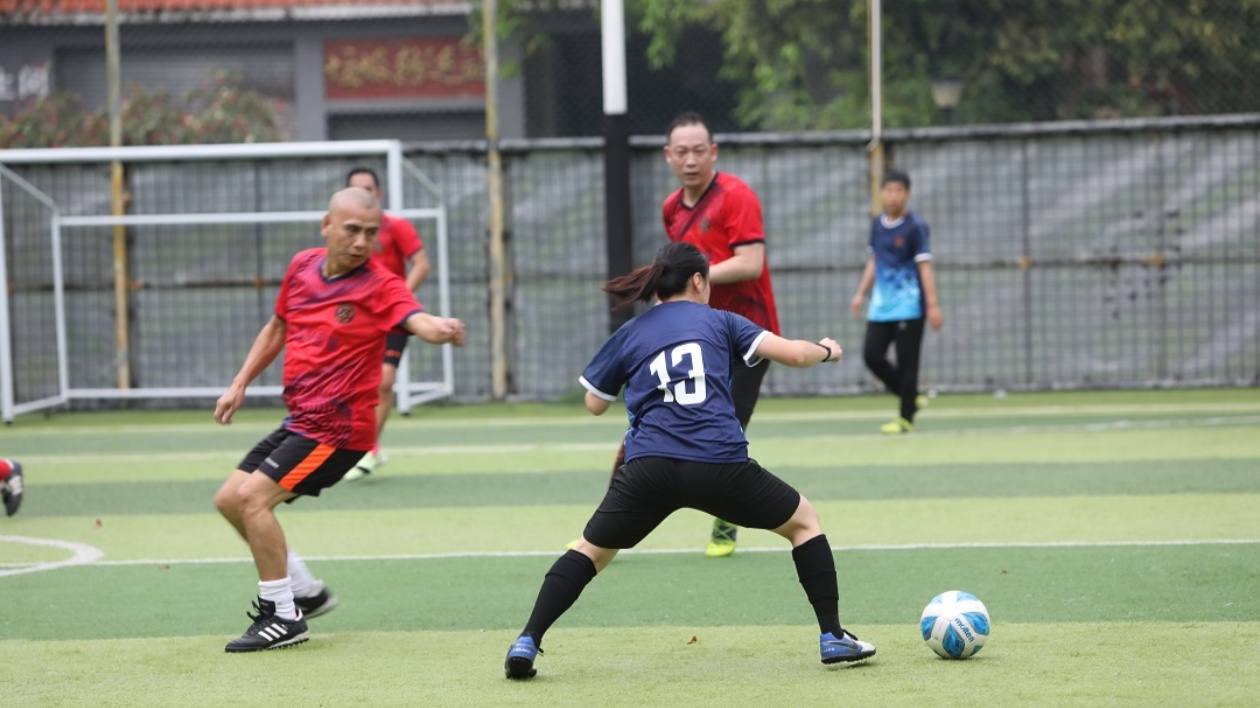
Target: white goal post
62	226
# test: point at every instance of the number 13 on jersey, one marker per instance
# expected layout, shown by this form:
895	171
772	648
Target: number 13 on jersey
684	357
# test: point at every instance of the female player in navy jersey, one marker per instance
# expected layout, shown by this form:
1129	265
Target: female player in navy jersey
685	447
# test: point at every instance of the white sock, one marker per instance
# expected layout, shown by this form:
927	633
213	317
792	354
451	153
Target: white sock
304	584
280	592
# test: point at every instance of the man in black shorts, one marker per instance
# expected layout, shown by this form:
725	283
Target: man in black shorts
399	249
334	309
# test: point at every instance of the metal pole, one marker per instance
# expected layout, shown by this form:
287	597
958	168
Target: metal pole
876	147
6	344
619	243
122	315
498	267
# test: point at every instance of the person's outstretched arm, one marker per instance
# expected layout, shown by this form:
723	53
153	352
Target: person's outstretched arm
436	330
799	353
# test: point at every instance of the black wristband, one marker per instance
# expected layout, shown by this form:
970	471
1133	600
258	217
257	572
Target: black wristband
826	349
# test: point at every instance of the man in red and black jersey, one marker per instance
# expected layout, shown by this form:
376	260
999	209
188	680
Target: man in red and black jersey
719	214
399	249
335	307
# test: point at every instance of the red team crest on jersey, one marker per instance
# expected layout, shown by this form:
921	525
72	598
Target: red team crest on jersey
705	224
345	313
899	242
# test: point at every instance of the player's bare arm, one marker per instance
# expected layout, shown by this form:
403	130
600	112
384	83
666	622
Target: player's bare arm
746	264
418	271
595	404
798	353
859	298
928	280
267	346
436	330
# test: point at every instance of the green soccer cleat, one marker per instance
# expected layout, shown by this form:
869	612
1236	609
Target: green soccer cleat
722	540
896	427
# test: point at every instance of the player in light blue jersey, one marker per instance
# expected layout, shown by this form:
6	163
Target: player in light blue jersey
685	447
904	295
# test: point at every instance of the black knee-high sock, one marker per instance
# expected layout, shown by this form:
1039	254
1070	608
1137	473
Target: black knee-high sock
565	581
816	569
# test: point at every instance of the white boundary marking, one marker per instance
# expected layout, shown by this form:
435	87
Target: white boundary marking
688	551
80	554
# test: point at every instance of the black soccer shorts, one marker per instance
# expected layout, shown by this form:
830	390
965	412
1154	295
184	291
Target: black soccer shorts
646	490
300	464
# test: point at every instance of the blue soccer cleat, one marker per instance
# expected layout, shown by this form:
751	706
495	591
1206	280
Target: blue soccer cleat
846	648
520	659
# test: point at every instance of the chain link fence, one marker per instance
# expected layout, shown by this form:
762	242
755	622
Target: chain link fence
1108	255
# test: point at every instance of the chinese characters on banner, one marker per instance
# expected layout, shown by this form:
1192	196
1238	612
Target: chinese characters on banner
30	81
429	67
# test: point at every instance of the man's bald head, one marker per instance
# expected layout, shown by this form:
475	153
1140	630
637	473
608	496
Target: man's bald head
354	198
350	227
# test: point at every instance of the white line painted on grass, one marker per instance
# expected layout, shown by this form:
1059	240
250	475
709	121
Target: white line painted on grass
80	554
689	551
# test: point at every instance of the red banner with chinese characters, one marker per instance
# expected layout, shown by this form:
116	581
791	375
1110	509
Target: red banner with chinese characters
428	67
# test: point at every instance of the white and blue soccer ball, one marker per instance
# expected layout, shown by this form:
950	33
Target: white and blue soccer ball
955	624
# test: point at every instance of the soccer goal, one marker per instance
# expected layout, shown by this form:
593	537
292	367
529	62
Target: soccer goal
164	300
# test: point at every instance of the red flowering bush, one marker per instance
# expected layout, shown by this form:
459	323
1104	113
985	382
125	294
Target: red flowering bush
221	111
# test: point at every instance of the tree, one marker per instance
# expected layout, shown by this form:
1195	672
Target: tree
804	64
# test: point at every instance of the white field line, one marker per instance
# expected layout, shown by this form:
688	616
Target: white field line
518	448
88	555
80	554
526	420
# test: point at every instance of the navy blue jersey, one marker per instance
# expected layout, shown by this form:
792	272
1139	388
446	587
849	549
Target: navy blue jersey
675	362
898	247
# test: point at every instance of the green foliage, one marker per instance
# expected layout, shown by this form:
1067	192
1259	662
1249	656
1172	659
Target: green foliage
220	111
804	64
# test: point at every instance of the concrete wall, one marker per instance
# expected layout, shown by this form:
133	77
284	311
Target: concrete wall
282	59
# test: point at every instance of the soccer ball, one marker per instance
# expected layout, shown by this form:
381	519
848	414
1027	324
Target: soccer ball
955	624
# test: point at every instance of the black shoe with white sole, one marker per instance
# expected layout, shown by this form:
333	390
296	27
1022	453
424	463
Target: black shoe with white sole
316	605
269	631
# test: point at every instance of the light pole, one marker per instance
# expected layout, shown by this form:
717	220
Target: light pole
946	94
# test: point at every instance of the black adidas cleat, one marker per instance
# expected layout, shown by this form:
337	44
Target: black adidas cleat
316	605
11	489
269	631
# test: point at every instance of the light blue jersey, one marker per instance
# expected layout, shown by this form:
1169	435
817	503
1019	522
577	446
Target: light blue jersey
898	247
675	361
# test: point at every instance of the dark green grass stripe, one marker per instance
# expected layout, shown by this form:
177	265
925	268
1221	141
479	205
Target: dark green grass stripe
884	482
239	440
1082	584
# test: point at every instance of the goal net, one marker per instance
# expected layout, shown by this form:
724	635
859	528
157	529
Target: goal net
163	302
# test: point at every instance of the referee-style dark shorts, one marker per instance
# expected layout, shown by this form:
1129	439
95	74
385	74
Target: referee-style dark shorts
299	464
395	345
646	490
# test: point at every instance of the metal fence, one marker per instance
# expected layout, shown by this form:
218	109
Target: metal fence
1119	254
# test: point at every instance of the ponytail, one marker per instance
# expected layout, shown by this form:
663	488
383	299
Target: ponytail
668	275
